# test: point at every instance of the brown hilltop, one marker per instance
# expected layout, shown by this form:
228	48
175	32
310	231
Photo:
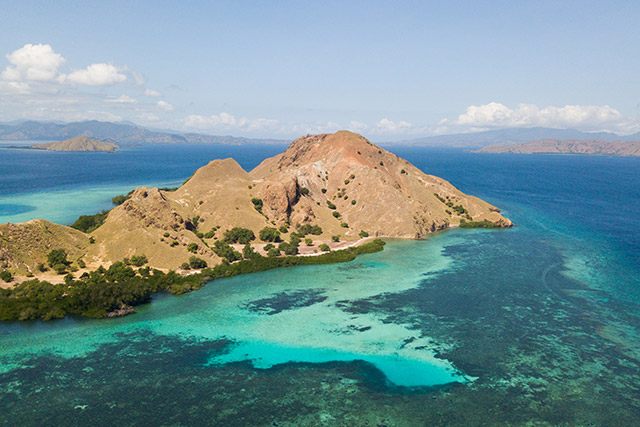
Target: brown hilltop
372	189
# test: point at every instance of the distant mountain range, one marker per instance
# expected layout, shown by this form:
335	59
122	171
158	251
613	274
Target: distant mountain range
130	133
513	136
114	132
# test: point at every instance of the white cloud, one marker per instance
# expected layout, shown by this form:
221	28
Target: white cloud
164	105
583	117
33	63
153	93
97	75
388	126
225	122
122	99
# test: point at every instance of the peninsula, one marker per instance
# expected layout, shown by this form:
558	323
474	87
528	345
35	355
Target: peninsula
78	143
555	146
324	193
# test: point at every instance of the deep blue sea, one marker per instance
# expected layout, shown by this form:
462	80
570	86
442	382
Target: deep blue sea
537	325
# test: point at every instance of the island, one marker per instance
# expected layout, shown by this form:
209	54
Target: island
555	146
326	198
78	143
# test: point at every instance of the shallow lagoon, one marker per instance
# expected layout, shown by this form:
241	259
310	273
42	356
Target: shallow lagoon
537	324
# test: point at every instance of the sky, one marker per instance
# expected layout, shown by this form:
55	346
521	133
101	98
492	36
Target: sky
280	69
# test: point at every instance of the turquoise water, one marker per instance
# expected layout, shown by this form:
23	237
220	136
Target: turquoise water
538	324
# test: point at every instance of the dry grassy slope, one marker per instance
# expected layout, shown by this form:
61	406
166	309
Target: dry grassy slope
24	245
78	143
147	224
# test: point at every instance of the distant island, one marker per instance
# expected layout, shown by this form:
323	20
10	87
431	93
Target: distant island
324	199
78	143
554	146
120	133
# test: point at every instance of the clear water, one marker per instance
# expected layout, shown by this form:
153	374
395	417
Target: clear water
536	324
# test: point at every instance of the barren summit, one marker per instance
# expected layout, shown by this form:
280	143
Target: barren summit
340	183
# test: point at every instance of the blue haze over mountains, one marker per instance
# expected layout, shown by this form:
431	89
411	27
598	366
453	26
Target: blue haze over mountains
128	132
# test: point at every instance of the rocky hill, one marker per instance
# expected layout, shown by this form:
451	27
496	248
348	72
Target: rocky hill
340	182
555	146
78	143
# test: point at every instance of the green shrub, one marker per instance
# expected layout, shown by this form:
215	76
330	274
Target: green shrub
60	268
173	243
139	260
91	240
324	247
273	252
336	214
439	198
324	190
238	235
41	268
363	234
353	201
304	191
185	266
166	234
346	182
478	224
288	248
344	225
81	264
223	250
89	223
197	263
283	229
330	205
268	247
6	276
404	172
460	209
193	247
57	256
121	198
335	238
352	176
249	253
269	234
257	204
308	242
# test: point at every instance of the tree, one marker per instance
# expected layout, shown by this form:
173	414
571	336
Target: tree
249	253
223	250
57	256
197	263
269	234
324	247
238	235
273	252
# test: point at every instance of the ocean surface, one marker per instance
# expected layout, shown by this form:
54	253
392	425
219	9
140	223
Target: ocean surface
538	324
